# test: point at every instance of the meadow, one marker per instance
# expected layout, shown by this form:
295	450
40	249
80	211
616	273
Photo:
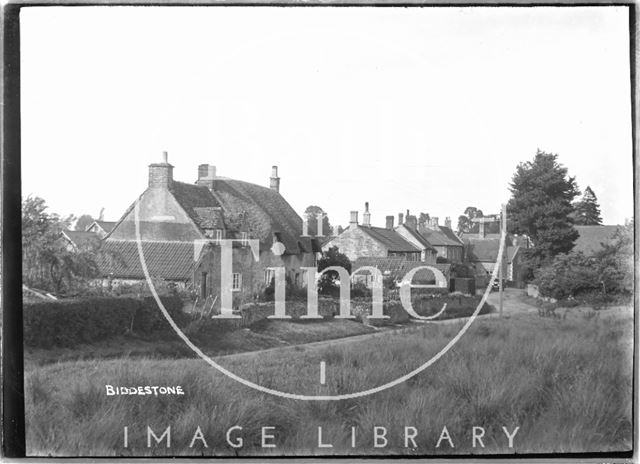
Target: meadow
565	382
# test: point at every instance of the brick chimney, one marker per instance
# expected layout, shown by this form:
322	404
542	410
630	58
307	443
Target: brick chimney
353	222
400	219
389	224
206	176
366	217
161	174
412	221
274	181
447	222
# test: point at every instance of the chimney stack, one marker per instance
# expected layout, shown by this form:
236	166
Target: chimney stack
389	222
353	222
206	176
161	174
366	217
447	222
274	181
412	221
400	219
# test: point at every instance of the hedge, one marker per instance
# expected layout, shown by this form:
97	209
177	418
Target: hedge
67	323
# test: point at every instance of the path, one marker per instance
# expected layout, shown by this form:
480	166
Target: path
512	305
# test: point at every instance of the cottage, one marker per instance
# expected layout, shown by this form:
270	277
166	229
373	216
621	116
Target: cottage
180	223
358	241
447	244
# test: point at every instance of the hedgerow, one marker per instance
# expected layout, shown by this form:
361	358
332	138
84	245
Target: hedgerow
67	323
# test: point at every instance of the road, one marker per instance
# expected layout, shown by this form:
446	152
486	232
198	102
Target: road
512	305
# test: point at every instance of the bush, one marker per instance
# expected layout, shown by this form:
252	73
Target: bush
72	322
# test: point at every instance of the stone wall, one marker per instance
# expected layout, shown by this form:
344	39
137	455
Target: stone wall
355	243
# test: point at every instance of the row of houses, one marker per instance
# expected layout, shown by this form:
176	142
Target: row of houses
178	225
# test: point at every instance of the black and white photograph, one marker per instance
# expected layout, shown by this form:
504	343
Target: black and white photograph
320	230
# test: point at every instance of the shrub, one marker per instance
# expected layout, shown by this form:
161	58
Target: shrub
72	322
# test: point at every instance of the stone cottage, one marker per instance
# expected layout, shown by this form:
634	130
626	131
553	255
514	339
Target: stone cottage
366	240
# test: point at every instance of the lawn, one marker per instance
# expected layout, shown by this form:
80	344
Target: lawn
566	383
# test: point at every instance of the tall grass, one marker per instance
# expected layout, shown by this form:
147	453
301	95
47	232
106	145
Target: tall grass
565	383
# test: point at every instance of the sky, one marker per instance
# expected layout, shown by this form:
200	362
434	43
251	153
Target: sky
426	109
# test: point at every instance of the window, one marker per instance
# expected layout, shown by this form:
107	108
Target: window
244	237
269	275
237	282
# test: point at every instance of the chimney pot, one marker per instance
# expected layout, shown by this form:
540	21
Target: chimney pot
165	157
366	217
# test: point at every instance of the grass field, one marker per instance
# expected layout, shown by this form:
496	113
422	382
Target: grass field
566	383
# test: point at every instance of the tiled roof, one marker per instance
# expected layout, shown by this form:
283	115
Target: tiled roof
398	267
80	237
390	239
486	250
169	260
418	236
592	237
440	237
107	226
450	234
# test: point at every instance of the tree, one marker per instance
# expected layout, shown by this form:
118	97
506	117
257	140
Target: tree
311	213
47	263
332	257
466	224
541	206
587	210
83	222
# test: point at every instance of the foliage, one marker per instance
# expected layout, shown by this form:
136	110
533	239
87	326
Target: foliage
76	321
47	263
311	212
83	222
466	225
541	208
608	272
587	210
332	257
567	276
291	291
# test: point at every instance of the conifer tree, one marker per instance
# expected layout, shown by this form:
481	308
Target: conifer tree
587	210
